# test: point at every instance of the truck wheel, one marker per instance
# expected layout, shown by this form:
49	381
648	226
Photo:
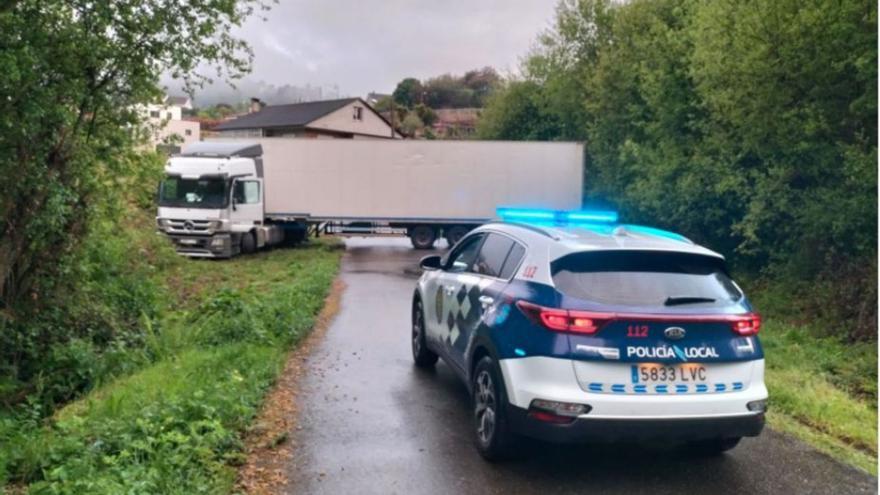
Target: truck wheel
422	236
293	237
455	234
248	243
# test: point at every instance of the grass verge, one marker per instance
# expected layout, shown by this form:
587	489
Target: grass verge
823	391
175	425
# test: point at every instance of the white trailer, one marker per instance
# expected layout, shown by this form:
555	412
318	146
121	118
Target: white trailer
222	197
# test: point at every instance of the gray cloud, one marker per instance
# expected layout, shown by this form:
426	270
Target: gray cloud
364	46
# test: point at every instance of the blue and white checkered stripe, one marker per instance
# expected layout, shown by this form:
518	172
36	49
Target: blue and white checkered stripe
700	388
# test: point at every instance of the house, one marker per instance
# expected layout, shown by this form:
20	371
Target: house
455	123
347	118
165	125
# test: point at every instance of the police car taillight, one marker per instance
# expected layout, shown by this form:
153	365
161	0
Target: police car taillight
746	325
563	320
590	322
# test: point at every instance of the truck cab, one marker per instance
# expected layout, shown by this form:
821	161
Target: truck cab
211	201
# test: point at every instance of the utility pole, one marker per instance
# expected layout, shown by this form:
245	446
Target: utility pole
392	117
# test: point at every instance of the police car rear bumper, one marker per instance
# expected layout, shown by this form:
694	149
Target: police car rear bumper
586	429
713	414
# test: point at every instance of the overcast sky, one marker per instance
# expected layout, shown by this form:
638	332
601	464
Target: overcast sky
364	46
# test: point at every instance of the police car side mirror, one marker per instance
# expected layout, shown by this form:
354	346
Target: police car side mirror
431	262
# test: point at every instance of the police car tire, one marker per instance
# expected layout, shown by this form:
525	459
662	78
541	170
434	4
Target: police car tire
248	243
423	357
502	443
715	446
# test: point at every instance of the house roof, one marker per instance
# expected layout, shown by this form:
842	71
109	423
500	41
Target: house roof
468	116
291	115
178	100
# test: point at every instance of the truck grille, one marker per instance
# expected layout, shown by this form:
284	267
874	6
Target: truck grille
188	226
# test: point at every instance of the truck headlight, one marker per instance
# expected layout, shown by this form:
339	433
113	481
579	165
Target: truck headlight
218	241
161	222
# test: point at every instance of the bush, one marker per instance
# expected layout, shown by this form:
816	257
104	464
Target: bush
89	324
748	126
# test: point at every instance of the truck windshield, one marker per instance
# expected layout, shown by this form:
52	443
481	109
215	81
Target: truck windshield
194	193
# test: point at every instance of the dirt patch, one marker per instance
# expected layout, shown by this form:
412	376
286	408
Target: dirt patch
269	443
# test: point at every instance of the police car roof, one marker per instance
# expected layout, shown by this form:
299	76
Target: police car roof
562	240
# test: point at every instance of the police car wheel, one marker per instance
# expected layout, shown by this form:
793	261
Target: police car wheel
492	436
715	446
422	356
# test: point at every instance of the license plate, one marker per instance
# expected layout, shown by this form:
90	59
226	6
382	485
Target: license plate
654	373
188	242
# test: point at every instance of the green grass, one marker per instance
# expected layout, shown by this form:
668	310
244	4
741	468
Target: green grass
823	391
174	426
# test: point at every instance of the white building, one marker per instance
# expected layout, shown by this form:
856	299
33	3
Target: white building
165	125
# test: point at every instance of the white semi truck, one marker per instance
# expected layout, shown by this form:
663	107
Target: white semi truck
221	198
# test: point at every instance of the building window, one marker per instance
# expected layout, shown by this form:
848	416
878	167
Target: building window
154	114
188	132
358	113
168	115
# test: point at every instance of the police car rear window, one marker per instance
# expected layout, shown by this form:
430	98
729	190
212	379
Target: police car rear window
645	278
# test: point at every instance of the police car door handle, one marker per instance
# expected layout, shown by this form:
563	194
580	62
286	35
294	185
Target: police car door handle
486	300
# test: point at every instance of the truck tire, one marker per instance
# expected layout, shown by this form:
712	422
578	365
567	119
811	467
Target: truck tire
248	243
293	237
422	236
454	234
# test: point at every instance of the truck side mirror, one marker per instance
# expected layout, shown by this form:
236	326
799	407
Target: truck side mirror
431	262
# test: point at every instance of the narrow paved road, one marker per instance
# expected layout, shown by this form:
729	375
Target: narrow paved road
372	423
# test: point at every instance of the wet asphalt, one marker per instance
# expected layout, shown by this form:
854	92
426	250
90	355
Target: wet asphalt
370	422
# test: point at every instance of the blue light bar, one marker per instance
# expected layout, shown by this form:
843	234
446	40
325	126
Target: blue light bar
599	216
558	217
641	229
525	214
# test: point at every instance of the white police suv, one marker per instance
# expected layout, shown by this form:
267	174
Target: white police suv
568	326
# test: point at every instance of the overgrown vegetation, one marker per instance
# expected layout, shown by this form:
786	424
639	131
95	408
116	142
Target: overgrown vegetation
72	293
123	368
751	127
448	91
165	415
414	102
823	390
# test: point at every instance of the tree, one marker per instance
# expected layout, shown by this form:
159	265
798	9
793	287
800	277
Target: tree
74	74
447	91
411	124
427	114
482	82
408	92
749	126
518	112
